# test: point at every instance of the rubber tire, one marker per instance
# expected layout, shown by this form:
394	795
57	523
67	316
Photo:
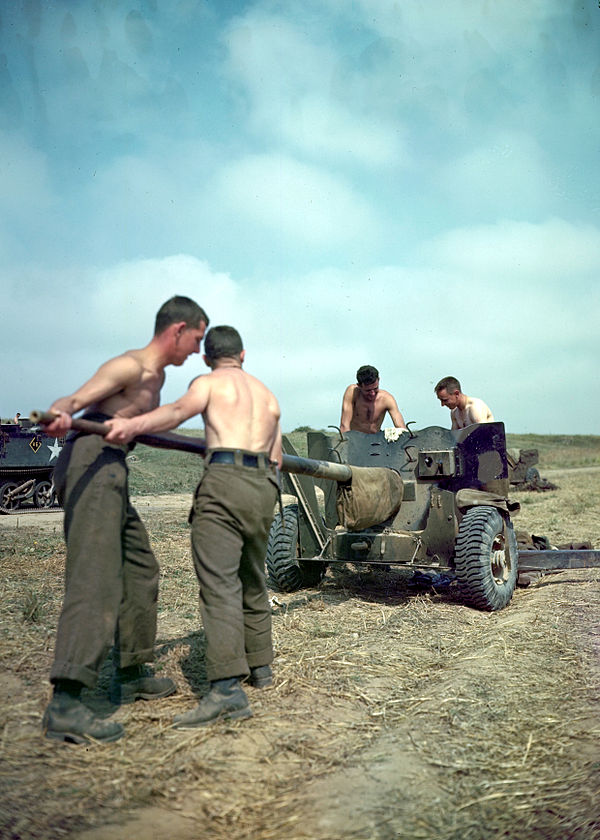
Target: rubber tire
44	495
5	505
486	561
286	571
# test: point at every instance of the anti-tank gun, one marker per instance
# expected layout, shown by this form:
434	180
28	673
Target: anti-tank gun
435	499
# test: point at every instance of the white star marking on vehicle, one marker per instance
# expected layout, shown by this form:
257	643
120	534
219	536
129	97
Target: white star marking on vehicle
54	449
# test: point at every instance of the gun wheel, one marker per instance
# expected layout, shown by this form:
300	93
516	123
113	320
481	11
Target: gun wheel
486	558
286	571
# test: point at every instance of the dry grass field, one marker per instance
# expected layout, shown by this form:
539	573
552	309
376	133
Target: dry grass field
395	714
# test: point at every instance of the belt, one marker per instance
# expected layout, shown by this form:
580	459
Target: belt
230	458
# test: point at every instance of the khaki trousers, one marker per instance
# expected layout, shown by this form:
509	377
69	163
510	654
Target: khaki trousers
111	582
231	516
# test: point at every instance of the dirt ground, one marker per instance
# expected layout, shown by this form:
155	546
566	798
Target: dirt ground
395	713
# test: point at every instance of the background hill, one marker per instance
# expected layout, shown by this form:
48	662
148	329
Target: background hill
163	471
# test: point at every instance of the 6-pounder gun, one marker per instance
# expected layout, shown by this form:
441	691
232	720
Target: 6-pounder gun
433	499
445	510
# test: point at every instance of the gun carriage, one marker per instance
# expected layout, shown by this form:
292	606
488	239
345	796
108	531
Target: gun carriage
443	498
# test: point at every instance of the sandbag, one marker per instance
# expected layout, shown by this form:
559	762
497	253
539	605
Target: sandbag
373	495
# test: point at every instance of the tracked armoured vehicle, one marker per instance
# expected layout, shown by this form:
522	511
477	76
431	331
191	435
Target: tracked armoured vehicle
27	459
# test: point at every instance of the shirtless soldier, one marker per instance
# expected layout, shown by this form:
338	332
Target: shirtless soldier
231	516
112	576
464	410
364	406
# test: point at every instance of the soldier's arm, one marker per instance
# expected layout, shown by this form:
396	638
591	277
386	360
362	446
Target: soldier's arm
347	409
480	413
395	414
113	376
276	449
163	418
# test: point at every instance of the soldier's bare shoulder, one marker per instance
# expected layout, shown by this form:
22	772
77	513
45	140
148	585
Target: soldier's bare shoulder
386	396
131	362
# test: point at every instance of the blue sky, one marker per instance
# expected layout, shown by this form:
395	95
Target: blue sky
410	185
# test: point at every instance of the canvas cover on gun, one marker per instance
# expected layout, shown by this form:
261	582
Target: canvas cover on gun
470	497
373	495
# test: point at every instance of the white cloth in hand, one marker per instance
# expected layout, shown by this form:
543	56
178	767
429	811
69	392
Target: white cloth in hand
393	433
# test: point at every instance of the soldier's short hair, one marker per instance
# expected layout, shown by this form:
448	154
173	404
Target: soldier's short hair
177	309
222	342
448	383
367	374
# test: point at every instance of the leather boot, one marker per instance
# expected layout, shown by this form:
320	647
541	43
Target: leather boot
137	682
261	677
226	700
67	719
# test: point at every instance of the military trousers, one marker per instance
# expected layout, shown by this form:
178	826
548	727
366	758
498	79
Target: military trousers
230	518
111	576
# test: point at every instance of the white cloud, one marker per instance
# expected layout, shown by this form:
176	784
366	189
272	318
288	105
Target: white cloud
508	175
320	127
59	326
26	188
275	61
132	292
301	107
307	334
507	342
554	252
439	24
299	202
329	156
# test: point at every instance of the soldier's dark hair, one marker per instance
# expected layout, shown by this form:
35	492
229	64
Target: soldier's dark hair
222	343
448	383
176	309
366	374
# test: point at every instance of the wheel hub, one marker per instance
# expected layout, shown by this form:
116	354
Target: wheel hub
500	561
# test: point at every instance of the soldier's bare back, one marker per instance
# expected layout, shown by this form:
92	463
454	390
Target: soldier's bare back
240	412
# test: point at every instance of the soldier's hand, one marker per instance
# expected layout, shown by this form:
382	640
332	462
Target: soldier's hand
59	426
120	430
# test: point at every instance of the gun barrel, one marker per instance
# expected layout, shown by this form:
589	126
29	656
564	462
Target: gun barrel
319	469
172	440
165	440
